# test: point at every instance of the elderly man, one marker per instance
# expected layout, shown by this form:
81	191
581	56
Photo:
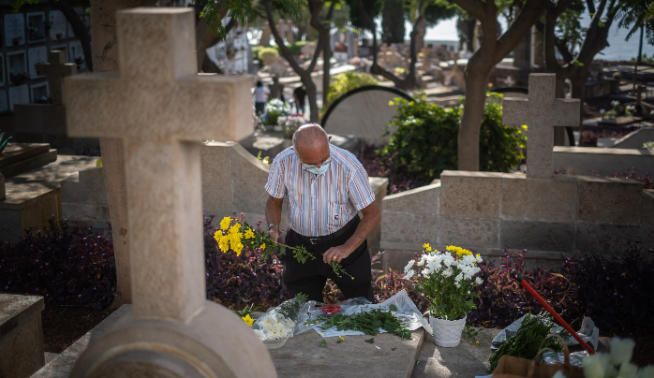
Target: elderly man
326	187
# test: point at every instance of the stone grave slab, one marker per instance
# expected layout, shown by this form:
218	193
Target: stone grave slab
469	359
21	335
22	157
388	356
619	121
32	198
636	139
62	365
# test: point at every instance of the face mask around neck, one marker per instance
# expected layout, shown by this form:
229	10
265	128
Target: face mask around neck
317	170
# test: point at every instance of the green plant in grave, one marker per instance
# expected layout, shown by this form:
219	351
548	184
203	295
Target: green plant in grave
424	142
345	82
4	140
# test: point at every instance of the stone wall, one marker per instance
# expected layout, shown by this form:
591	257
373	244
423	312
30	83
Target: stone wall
489	212
603	161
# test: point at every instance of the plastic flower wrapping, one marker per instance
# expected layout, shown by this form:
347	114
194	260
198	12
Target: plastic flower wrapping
446	278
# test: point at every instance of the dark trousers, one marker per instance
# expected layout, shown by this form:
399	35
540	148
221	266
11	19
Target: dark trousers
259	107
309	278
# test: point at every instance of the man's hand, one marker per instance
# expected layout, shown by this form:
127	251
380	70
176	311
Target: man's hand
274	233
336	254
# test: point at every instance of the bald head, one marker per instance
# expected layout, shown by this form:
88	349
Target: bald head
311	144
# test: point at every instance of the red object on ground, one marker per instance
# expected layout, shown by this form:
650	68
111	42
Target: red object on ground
331	309
555	314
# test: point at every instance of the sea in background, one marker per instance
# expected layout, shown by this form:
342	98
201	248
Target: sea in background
618	49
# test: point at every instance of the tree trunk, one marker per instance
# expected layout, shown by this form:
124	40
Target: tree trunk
326	64
205	38
312	95
421	30
79	29
477	73
265	35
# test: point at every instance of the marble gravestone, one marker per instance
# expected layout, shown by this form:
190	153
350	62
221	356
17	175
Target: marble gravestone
541	111
161	109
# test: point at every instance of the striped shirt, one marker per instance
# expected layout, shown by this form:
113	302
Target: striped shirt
320	205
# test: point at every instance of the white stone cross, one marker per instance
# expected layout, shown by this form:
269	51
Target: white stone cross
542	111
55	70
161	109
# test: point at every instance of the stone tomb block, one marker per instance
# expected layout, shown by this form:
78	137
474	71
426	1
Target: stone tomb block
21	335
22	157
610	201
535	199
460	194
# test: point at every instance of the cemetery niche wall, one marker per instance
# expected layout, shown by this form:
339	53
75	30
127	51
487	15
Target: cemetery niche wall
27	37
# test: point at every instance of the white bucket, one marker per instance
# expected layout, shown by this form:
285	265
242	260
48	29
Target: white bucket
447	333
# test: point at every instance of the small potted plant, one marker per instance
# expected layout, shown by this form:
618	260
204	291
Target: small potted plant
447	279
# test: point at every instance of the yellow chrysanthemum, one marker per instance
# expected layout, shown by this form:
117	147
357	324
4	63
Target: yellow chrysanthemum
223	244
248	320
217	235
262	246
460	252
235	228
249	234
427	247
225	222
237	247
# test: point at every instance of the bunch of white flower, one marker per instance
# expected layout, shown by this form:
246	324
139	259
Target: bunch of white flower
617	363
274	326
457	262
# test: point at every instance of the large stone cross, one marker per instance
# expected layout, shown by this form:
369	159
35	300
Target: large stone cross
55	71
542	111
162	110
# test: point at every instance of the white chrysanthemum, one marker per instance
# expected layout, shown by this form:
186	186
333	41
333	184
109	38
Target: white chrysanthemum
479	281
408	275
621	350
409	266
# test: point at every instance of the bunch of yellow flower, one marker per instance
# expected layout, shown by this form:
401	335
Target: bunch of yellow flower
229	236
460	252
427	247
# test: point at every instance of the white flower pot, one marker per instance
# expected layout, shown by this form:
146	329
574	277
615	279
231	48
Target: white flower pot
447	333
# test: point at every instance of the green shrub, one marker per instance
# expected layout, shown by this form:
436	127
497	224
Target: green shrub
345	82
267	53
425	140
296	47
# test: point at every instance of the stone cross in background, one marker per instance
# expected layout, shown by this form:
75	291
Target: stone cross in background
542	111
162	109
55	70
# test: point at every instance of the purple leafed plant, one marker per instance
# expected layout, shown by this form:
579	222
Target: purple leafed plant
502	300
68	267
238	281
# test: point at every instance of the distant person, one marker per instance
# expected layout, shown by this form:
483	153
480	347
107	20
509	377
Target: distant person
299	95
260	97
